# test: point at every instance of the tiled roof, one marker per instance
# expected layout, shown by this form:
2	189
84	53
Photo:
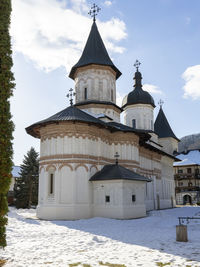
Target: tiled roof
162	127
190	158
69	114
117	172
94	53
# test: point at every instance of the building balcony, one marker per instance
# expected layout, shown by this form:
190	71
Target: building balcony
180	189
180	176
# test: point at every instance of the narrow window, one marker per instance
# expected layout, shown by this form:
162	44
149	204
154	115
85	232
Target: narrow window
189	170
51	184
151	125
134	123
133	198
85	93
111	95
107	199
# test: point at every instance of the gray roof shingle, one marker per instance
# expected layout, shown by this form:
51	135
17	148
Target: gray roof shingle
162	127
94	53
117	172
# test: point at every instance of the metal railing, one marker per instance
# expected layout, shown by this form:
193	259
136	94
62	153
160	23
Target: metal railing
187	176
186	220
186	188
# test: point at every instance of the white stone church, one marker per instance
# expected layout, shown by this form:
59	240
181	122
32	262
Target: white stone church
80	173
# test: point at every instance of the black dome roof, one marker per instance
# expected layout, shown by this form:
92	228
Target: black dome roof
138	95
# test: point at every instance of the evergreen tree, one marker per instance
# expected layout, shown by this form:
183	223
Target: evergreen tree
26	186
6	124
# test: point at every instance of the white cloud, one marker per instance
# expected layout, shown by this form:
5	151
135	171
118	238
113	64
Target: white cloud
119	99
152	89
192	82
53	35
107	3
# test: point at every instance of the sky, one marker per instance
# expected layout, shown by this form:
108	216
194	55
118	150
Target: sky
48	37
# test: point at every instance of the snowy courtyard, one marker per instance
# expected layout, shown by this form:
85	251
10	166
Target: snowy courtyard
149	241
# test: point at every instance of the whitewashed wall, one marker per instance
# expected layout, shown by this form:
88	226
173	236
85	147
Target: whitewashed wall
169	144
73	196
143	114
80	145
99	83
120	205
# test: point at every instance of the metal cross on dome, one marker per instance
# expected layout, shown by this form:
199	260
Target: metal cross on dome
70	95
116	157
160	103
137	64
93	11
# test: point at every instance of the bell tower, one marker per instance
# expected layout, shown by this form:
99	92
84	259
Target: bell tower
95	76
139	105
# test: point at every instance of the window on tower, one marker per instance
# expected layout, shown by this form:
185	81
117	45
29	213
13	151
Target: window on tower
134	123
107	199
111	94
51	183
85	93
151	125
133	198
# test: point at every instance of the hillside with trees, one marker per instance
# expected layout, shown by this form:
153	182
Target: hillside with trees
189	142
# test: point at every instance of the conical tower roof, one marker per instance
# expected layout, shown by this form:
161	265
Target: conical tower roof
94	53
162	127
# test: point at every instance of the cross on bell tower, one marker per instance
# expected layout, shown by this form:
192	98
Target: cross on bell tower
137	64
160	103
70	96
94	11
116	157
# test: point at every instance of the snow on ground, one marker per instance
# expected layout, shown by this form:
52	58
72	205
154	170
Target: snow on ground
147	241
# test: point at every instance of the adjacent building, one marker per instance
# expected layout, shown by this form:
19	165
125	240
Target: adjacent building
187	178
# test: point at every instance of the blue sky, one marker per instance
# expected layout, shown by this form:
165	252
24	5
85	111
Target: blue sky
49	35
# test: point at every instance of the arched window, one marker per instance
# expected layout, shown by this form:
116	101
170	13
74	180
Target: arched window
51	183
151	125
134	123
85	93
111	94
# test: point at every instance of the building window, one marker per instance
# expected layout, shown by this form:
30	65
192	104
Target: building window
189	170
51	184
133	198
180	183
180	171
111	95
151	125
107	199
85	93
190	184
134	123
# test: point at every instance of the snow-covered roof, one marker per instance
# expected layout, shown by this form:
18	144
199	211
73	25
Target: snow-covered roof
191	158
15	171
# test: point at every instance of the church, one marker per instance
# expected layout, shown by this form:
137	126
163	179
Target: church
91	164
